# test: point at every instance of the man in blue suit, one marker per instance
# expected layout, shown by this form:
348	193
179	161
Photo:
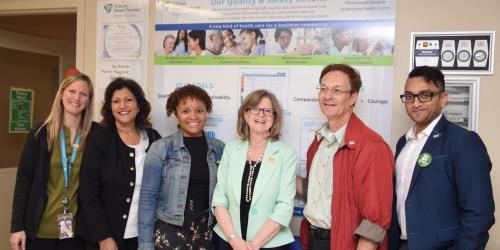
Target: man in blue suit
442	188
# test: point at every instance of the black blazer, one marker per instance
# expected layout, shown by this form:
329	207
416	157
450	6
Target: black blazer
30	193
107	180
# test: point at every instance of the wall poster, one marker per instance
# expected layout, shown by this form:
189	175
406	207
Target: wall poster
121	42
21	110
276	45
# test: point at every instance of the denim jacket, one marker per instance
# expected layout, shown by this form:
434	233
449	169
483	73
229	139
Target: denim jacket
165	183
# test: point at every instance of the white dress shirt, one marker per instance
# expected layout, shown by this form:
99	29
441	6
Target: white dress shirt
131	229
405	165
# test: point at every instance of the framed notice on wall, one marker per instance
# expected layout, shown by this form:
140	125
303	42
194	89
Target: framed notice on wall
21	110
463	101
454	52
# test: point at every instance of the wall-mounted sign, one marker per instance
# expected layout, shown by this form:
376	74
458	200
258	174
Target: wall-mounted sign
454	52
122	32
21	110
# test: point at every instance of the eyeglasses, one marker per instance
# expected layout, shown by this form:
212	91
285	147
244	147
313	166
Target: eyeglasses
422	97
324	89
284	37
256	111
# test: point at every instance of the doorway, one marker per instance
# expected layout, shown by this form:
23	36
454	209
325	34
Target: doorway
34	50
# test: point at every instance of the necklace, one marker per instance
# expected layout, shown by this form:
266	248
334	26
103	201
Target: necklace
251	171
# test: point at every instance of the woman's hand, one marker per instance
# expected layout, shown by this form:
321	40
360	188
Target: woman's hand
252	245
108	244
239	244
18	240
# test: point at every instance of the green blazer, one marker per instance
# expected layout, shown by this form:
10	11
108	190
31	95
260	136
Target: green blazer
273	195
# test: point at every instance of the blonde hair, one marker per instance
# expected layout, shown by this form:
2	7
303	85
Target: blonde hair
252	100
55	118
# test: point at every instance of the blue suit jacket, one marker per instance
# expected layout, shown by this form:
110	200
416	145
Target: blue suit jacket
450	202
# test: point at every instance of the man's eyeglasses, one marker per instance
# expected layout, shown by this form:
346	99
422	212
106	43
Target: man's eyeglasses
422	97
324	89
256	111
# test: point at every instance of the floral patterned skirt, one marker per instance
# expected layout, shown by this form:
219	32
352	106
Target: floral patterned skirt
195	233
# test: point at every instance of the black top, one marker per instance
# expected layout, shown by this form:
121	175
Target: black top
30	193
199	179
107	180
244	205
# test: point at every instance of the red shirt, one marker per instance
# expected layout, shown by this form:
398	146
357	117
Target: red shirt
362	185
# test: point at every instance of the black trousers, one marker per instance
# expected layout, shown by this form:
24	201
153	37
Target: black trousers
123	244
224	245
319	239
404	245
76	243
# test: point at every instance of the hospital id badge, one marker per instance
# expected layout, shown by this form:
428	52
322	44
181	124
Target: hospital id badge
65	222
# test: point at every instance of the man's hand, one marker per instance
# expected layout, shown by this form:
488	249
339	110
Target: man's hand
366	244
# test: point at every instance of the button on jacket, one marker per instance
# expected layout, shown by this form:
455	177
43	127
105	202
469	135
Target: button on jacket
107	179
165	183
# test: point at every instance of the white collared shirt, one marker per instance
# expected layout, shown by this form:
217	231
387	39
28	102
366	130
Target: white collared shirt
405	165
320	182
131	229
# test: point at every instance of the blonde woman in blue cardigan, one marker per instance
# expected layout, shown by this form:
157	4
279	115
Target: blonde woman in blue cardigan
253	198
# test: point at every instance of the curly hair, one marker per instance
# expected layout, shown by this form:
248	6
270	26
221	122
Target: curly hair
142	118
188	91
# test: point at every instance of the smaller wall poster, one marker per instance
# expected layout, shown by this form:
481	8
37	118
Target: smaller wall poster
21	110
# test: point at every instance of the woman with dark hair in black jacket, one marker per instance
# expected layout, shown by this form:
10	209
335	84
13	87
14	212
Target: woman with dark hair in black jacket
112	167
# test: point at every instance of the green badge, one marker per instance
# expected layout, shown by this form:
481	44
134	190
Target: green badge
424	160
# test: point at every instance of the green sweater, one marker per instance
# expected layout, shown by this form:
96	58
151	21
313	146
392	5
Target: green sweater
55	190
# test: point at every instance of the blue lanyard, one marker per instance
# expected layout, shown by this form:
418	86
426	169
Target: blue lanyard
65	167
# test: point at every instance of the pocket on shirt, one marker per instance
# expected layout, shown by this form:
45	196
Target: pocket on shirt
448	234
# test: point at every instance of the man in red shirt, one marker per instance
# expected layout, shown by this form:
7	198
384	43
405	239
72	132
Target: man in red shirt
348	189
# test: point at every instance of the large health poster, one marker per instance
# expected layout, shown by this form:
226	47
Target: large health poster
279	45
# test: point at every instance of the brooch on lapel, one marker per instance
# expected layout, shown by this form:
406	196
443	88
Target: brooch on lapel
424	160
272	159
